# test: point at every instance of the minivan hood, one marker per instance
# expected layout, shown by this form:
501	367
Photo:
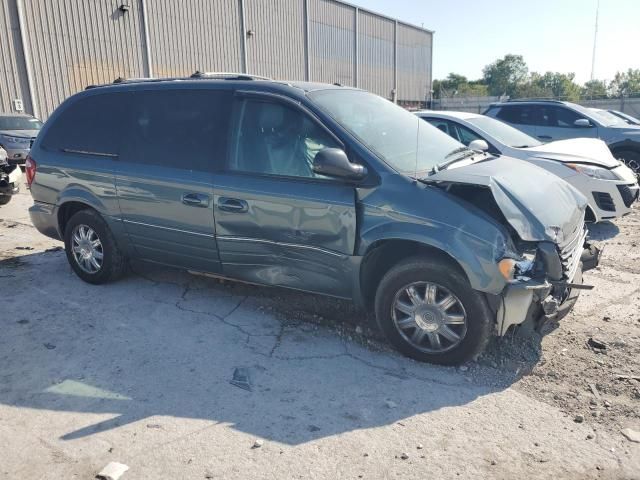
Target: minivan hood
20	133
539	205
581	150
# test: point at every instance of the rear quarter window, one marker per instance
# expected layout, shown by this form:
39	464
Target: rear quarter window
90	125
185	129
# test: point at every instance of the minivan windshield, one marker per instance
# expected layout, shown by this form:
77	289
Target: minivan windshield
19	123
405	142
503	133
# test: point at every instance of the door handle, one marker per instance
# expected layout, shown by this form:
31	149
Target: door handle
234	205
195	200
544	137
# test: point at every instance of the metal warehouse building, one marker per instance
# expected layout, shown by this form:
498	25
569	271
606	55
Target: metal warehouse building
54	48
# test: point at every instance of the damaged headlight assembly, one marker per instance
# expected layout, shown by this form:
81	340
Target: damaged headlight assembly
593	171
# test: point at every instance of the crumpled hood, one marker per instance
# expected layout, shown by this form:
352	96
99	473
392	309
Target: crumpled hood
580	150
20	133
539	205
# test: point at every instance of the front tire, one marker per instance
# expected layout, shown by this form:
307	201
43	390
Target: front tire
91	248
4	199
429	312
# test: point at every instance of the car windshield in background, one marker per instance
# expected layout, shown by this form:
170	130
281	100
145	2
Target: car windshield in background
606	118
503	133
404	141
19	123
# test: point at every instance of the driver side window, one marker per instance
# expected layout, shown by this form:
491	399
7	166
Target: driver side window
467	136
274	139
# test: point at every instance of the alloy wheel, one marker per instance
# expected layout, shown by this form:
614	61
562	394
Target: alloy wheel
429	317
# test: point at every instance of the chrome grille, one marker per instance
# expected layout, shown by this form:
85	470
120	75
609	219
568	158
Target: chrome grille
571	251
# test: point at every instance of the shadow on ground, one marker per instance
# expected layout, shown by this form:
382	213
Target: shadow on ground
164	342
603	231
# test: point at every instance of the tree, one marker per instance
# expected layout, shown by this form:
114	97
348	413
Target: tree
458	85
560	85
626	83
595	89
505	75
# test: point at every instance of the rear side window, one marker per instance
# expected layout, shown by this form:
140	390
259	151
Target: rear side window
89	125
519	114
184	129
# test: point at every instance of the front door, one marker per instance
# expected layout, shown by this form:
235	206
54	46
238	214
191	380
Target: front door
164	176
277	222
558	123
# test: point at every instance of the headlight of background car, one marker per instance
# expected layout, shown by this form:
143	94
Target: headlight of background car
593	171
14	140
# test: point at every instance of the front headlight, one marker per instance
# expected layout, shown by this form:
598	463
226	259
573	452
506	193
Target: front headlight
593	171
15	140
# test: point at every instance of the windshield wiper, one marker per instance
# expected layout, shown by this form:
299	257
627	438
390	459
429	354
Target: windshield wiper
520	146
443	166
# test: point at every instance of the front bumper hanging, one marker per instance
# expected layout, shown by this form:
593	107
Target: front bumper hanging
539	301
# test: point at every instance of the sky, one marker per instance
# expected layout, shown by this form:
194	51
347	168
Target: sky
551	35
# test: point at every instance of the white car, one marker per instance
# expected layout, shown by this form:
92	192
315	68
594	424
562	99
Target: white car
586	163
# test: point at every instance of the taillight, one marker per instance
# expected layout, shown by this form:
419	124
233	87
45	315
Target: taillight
30	169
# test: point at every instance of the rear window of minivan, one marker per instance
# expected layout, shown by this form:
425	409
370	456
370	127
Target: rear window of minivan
89	125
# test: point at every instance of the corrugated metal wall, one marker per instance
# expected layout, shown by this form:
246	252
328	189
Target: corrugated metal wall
276	48
376	54
414	59
13	76
190	35
75	43
332	46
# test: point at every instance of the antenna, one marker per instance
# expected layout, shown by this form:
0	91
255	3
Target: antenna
595	40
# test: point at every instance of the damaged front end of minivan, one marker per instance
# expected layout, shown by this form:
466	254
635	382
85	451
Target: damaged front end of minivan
550	248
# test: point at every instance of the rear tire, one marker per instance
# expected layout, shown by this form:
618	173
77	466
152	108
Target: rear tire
91	248
409	308
4	199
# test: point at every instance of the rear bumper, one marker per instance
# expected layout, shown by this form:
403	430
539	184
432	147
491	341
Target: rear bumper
45	218
538	301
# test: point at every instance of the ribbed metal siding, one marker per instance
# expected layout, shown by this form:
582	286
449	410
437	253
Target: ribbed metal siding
332	42
190	35
375	54
276	49
75	43
414	63
13	77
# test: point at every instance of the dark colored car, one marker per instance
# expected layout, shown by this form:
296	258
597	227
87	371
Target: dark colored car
320	188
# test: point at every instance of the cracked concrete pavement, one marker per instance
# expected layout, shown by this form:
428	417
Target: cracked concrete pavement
139	372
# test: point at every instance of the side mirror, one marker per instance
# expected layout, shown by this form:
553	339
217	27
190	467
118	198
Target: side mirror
582	123
479	145
333	162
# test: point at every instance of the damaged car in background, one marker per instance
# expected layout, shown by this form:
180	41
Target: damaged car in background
321	188
9	178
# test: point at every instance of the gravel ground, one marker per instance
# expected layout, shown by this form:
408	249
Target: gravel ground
140	372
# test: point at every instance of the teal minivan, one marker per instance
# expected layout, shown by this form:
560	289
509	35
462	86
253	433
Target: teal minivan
321	188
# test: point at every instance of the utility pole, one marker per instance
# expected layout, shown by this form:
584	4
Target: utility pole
595	41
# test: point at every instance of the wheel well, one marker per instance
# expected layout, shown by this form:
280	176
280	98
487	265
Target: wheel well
383	255
589	215
68	210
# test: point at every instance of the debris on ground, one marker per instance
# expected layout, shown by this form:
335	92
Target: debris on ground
113	471
390	404
596	345
578	418
258	443
631	435
404	456
241	378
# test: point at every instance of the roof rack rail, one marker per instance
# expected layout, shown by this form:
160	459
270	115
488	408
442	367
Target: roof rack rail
534	99
227	75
